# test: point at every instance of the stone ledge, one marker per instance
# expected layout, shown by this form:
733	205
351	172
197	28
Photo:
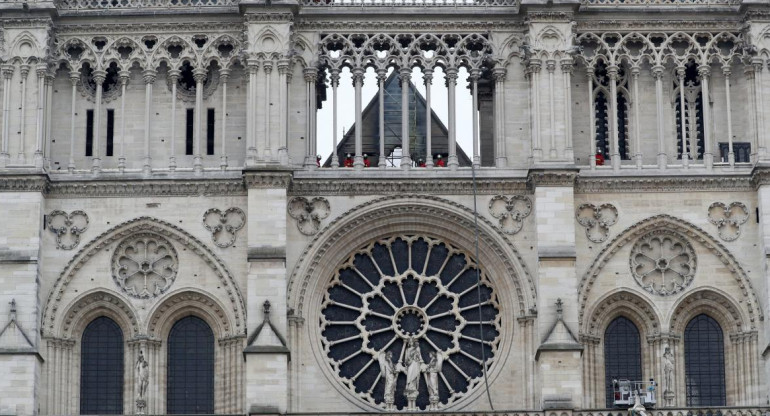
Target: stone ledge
18	256
557	252
266	254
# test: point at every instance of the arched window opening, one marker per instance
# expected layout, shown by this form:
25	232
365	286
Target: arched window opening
622	355
602	110
690	138
704	362
101	368
190	367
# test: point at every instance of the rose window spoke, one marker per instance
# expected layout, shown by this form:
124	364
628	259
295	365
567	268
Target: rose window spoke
662	262
415	300
145	265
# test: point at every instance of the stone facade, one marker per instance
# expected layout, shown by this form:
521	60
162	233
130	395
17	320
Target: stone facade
176	141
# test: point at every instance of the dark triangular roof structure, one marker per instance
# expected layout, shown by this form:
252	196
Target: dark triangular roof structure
417	111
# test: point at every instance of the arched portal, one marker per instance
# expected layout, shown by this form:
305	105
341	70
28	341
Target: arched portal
190	367
101	368
704	362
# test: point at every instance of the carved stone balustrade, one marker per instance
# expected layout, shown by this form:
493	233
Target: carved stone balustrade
659	2
145	4
408	3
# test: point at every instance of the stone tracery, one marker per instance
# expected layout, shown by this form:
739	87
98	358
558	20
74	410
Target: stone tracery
663	263
145	265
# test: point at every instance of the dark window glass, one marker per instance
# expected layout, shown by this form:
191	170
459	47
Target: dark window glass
622	354
742	151
602	114
101	368
704	362
190	367
89	132
693	116
110	131
210	132
188	144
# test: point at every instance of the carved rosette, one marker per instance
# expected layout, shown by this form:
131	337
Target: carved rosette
409	288
224	226
728	219
308	213
67	227
510	212
145	265
597	220
663	263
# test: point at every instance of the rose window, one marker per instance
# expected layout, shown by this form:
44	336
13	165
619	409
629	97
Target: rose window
404	324
144	265
662	263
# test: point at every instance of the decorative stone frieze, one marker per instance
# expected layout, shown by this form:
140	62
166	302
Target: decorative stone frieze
145	265
138	188
224	226
67	227
308	213
400	186
267	180
663	263
551	178
510	212
615	184
728	219
597	220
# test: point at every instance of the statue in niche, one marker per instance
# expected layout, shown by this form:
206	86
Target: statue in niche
668	369
142	374
432	370
389	371
414	366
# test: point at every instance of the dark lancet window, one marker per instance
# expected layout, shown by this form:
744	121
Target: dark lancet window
190	367
603	135
210	126
622	354
101	368
89	132
704	362
188	138
110	132
692	139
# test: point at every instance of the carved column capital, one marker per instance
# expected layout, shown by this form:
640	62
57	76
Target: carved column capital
727	71
74	77
267	65
635	71
99	76
199	75
612	71
41	70
252	64
427	76
174	74
310	74
284	66
8	71
334	77
658	71
450	74
704	71
550	65
680	72
358	75
567	64
499	74
535	65
149	76
24	69
224	74
405	75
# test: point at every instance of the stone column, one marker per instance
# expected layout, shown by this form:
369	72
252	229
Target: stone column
173	75
405	77
199	74
550	65
267	149
762	134
224	75
358	83
284	78
708	156
680	72
251	139
24	70
730	155
635	71
42	88
99	77
657	73
450	75
49	79
534	78
311	74
566	72
149	77
8	71
501	159
591	117
335	82
74	79
612	116
474	79
427	76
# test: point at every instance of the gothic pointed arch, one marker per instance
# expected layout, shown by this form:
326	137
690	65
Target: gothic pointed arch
635	307
675	226
62	293
188	302
711	301
93	304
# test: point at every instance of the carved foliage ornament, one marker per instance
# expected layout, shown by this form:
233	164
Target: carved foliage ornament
399	307
308	213
510	211
728	219
67	227
597	220
145	265
224	225
663	263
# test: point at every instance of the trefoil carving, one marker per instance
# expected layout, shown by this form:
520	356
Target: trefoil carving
728	219
224	226
597	220
67	227
145	265
510	211
663	263
309	213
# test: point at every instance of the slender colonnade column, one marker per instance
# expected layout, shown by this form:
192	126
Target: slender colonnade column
680	72
500	155
310	74
173	75
251	139
566	71
267	153
22	110
427	77
474	78
335	81
49	79
74	79
224	75
551	67
730	154
406	159
612	72
99	77
358	82
635	70
8	71
42	89
199	74
657	73
708	157
591	116
451	82
760	111
124	77
149	76
284	77
381	74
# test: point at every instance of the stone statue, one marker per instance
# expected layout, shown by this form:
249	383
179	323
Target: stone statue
668	369
637	409
413	364
389	371
431	378
142	370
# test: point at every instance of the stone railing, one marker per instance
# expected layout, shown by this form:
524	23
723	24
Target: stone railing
408	3
683	411
658	2
144	4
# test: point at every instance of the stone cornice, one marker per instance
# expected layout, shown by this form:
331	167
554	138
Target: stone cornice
622	184
146	188
267	179
430	186
325	24
266	17
539	177
23	183
644	25
144	28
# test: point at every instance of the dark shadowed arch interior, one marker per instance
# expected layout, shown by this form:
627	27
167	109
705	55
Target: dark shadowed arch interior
101	368
622	354
704	361
190	367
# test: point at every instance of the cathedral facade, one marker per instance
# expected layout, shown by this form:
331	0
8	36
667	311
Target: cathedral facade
536	207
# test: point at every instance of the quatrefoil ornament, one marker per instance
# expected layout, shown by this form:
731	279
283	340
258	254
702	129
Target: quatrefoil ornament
224	225
67	227
597	220
308	213
510	211
728	219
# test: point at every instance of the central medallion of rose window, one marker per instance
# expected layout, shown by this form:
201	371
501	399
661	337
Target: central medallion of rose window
408	323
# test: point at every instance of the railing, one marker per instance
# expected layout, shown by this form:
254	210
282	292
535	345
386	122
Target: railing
408	3
135	4
659	2
683	411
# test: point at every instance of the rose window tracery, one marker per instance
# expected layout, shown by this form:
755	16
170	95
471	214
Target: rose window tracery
663	263
404	327
144	265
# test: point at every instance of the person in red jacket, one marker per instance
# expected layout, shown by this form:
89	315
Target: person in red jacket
318	160
440	162
599	158
348	161
366	161
421	163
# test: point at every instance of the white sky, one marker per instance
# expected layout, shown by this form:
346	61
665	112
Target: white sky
346	106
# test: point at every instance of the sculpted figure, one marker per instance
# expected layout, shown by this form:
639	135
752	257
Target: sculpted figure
431	378
413	363
389	371
142	371
668	369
